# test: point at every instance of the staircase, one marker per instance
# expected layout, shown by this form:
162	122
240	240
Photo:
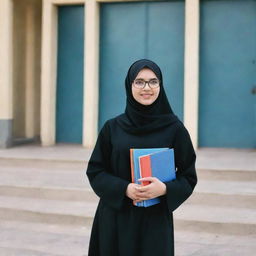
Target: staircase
220	217
47	208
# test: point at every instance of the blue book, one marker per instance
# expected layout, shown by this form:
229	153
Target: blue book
160	165
135	155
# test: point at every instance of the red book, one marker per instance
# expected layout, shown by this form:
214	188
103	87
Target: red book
145	169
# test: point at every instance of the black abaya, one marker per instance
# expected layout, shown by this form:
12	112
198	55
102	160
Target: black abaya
119	227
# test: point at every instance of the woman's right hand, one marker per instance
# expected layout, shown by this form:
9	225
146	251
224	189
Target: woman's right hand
132	192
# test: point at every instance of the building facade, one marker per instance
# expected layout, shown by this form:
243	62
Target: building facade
63	65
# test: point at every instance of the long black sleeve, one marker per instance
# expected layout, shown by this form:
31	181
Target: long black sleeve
182	187
109	188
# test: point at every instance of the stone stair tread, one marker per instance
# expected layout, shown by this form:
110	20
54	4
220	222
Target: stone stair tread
208	238
206	213
24	238
189	212
226	175
226	159
226	187
76	179
216	188
8	251
226	200
50	193
57	188
204	244
180	235
53	228
47	243
58	152
50	177
74	208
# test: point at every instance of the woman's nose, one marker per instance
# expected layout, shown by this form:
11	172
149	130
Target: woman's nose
147	87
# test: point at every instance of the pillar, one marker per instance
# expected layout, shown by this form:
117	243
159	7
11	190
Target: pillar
91	89
191	79
6	85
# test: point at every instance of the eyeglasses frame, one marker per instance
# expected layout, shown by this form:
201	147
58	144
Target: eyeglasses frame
147	82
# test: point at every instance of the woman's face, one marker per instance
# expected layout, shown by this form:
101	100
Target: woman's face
146	95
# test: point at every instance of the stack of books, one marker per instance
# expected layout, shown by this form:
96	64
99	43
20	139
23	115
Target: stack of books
152	162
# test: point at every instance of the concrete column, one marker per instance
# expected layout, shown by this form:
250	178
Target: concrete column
48	74
6	90
30	73
91	88
191	79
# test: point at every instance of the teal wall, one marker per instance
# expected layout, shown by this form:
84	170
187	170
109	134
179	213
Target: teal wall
155	30
227	109
69	108
130	31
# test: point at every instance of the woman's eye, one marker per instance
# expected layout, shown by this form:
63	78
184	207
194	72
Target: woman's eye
139	83
154	82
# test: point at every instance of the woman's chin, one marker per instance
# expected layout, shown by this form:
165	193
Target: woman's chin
146	101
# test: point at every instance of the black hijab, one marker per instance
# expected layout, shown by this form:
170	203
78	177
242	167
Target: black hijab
140	118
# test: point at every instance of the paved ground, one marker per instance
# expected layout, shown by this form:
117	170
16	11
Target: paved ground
47	206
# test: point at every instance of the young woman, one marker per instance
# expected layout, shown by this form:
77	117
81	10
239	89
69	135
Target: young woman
120	228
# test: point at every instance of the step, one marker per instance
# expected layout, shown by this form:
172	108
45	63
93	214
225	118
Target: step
24	238
24	169
218	220
226	159
210	197
223	200
227	187
36	152
44	175
9	251
226	175
24	159
34	164
73	176
47	211
207	158
189	243
50	193
73	185
226	220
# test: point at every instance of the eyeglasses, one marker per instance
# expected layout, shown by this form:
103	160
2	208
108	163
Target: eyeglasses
140	83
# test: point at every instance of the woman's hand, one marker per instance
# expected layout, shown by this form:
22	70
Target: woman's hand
155	189
132	191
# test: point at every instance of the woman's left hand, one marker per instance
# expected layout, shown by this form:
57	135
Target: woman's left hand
155	189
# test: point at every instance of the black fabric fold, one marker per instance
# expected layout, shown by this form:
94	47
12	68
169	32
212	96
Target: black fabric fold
110	188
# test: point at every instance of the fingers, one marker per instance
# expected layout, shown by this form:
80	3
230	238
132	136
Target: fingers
140	193
151	179
136	201
144	192
143	196
143	188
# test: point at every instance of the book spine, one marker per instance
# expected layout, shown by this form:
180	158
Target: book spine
132	165
145	168
151	202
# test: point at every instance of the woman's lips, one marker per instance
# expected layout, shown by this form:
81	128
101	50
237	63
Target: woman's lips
146	95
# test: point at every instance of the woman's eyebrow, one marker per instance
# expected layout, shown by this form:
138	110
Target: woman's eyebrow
144	79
